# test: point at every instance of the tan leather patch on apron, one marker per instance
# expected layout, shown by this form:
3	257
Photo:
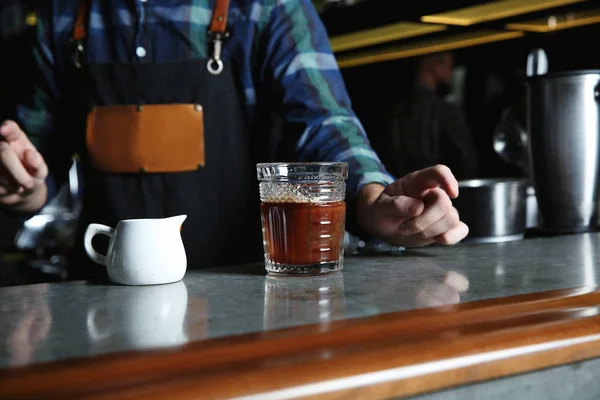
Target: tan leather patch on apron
149	138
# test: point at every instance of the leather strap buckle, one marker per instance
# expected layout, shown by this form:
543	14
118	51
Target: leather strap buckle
76	51
79	33
215	64
217	33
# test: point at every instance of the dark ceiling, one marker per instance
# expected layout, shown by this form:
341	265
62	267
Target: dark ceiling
373	13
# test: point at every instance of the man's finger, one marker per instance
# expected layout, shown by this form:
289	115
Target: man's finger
438	205
416	183
35	164
454	235
401	206
10	199
446	223
11	132
13	167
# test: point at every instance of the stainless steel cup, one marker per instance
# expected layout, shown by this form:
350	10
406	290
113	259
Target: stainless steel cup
494	209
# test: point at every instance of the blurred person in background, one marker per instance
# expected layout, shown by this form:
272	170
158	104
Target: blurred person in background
423	129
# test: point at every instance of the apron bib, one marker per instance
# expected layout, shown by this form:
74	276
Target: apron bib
164	139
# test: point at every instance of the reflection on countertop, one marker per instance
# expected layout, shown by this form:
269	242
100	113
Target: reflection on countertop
58	321
25	323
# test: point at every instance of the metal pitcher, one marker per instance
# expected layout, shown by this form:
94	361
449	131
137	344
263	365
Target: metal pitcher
563	122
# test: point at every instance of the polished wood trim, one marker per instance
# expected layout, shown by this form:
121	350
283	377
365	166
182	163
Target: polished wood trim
494	10
420	48
393	354
557	22
382	34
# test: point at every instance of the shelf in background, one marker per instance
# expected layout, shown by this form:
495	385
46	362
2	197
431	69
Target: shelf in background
420	48
494	10
384	34
557	22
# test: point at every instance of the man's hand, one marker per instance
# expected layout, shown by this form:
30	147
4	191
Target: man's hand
22	171
413	211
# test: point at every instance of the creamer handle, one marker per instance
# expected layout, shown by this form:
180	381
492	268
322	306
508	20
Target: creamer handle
91	231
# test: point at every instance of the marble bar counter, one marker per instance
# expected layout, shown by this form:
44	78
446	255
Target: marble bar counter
439	322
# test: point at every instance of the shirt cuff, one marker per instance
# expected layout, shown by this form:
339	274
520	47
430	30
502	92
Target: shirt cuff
383	178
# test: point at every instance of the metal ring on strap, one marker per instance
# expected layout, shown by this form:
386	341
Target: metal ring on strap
211	66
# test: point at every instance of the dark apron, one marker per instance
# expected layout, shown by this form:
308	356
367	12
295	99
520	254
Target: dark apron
220	197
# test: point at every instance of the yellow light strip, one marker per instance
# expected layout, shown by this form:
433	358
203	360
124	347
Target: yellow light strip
494	10
384	34
427	47
553	23
31	19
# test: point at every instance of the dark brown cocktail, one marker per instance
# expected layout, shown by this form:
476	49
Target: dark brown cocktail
303	233
303	217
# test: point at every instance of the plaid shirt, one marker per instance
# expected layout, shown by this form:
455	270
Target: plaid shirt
280	46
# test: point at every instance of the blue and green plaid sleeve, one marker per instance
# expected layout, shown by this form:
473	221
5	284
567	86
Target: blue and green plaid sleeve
315	104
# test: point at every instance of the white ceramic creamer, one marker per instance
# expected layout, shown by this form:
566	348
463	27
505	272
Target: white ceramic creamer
141	251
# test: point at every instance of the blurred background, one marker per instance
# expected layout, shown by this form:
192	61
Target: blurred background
455	66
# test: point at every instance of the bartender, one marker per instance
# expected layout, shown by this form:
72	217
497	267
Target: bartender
165	103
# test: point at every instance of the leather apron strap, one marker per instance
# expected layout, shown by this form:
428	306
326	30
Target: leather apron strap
218	23
217	32
80	27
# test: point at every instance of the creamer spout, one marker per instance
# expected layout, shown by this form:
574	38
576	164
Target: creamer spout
177	220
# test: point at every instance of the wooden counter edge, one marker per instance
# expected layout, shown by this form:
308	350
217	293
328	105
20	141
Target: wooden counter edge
389	355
